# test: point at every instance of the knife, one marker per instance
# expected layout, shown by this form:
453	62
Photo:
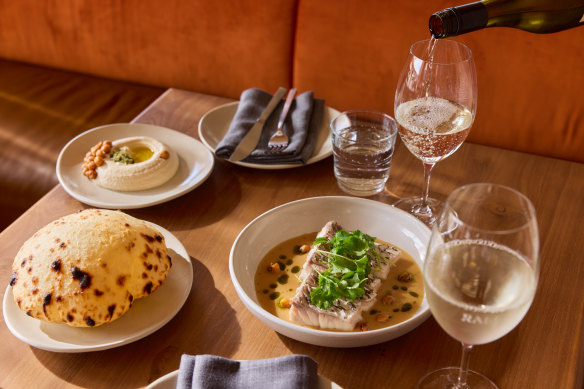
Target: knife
250	140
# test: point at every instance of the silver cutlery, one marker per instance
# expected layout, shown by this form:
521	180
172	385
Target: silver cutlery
250	140
280	140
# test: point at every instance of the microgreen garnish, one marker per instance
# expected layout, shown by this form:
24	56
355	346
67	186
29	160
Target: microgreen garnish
348	266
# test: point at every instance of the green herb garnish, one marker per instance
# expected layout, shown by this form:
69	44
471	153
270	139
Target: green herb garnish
122	157
348	259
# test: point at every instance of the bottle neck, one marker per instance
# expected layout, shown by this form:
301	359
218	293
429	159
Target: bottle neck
458	20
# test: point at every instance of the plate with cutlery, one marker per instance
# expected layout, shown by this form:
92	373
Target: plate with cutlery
215	124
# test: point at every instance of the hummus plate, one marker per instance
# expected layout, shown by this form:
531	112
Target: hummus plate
195	166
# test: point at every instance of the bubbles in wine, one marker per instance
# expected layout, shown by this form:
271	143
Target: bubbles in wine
432	127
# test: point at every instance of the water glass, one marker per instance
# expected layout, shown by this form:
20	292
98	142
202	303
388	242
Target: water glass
363	144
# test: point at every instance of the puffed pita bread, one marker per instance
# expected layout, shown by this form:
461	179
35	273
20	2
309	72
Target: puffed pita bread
86	269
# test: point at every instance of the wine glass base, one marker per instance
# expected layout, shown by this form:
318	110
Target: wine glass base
446	378
426	215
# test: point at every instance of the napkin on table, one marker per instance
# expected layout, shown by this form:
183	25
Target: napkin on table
301	126
213	372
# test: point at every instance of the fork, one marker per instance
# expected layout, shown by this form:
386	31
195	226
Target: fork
279	140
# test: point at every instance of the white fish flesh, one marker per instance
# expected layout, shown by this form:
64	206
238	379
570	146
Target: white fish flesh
343	314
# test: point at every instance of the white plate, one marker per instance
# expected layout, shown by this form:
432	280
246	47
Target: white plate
299	217
214	125
195	165
169	382
147	314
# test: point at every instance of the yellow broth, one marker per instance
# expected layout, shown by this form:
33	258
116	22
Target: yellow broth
271	287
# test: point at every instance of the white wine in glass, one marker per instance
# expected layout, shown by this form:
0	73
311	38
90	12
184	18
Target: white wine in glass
480	272
435	106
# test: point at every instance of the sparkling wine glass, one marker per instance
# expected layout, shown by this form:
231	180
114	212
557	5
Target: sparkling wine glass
480	272
435	106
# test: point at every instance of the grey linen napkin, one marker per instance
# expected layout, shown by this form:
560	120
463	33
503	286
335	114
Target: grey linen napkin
301	126
213	372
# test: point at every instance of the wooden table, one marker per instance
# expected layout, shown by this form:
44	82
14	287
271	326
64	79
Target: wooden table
546	350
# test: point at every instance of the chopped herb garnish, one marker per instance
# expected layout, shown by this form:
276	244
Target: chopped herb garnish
348	259
122	157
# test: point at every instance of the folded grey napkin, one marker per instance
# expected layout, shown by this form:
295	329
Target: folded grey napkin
212	372
301	126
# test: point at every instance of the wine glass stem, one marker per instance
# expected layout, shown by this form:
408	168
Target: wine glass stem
463	371
424	208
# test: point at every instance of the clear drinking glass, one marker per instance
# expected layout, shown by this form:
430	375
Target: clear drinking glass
435	106
363	143
480	272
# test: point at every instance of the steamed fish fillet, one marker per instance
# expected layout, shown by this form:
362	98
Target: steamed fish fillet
343	314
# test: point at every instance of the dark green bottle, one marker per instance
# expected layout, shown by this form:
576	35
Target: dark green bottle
537	16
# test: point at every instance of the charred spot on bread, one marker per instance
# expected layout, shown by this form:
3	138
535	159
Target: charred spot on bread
83	278
69	317
98	292
121	280
148	288
111	310
56	265
46	301
158	238
149	238
89	321
13	278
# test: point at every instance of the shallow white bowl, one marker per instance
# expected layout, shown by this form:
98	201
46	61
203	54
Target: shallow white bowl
299	217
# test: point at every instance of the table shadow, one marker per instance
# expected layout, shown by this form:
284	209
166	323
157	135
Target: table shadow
206	204
194	330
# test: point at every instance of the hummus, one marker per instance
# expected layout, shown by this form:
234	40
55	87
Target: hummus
130	164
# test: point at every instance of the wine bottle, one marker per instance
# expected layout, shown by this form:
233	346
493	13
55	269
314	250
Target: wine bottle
537	16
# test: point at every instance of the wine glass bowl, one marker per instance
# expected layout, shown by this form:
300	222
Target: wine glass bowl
435	106
481	271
